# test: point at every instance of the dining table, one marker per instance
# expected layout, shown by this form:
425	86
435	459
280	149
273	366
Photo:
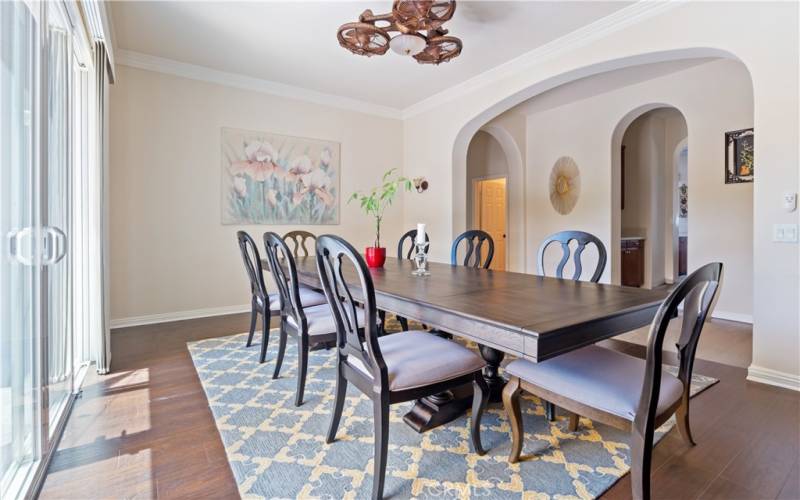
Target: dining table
505	313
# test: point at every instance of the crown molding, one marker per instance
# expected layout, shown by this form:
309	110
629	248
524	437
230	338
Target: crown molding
205	74
583	36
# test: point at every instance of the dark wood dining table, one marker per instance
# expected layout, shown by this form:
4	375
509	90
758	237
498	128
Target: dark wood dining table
524	315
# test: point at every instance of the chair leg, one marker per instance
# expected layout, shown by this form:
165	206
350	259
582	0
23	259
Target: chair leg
682	417
479	399
281	348
403	323
573	422
382	318
550	411
265	317
511	393
641	457
338	404
381	409
253	321
302	366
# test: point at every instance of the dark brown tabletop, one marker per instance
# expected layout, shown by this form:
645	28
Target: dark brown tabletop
521	314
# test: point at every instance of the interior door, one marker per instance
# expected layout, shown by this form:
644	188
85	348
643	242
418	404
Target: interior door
492	217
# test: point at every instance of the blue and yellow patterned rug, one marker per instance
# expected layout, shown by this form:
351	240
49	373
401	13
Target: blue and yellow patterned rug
278	451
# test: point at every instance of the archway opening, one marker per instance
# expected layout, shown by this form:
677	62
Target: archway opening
652	218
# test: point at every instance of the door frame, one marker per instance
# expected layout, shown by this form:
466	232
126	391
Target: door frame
475	207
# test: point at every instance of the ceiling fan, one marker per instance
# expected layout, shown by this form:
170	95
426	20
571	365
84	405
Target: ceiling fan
419	27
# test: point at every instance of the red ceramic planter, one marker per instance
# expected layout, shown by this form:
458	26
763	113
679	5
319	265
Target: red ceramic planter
376	256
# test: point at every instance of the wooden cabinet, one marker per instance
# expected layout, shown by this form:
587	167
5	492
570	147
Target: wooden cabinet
632	262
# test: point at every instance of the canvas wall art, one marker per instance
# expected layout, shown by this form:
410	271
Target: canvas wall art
739	156
277	179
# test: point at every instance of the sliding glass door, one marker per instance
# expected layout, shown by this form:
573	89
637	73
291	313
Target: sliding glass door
46	112
20	353
56	210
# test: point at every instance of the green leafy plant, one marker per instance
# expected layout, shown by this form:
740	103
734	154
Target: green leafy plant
376	201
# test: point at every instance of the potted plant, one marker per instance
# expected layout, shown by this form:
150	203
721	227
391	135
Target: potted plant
374	203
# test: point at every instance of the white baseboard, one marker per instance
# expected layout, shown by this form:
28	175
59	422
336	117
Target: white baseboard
773	377
152	319
732	316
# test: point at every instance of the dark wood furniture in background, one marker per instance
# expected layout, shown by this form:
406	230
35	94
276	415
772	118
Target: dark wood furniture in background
632	261
474	239
380	366
531	317
683	253
620	390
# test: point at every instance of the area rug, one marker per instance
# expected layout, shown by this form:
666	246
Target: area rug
277	450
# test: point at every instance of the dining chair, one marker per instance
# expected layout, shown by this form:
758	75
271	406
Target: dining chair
411	236
474	239
310	324
632	394
583	239
261	302
297	242
564	238
393	368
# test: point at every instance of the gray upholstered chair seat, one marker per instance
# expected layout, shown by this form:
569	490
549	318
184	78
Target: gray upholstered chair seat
416	359
598	377
308	297
320	319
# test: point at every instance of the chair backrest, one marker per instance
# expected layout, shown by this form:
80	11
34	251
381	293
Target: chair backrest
473	257
334	255
284	272
412	237
696	292
297	242
583	239
252	264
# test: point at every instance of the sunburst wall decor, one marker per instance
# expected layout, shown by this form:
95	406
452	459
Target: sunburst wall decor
565	185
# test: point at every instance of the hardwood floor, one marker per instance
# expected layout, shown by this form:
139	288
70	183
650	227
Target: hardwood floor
145	430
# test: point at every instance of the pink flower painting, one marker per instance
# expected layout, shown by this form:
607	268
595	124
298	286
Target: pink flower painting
276	179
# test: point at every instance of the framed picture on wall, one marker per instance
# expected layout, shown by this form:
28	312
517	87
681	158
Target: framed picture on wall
277	179
739	156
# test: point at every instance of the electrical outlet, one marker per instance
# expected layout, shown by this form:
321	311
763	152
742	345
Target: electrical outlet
790	202
785	233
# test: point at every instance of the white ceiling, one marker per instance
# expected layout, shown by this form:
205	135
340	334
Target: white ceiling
294	43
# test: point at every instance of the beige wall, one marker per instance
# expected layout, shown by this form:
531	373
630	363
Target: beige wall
169	251
762	35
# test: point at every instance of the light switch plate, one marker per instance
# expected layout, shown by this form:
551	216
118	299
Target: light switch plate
789	201
785	233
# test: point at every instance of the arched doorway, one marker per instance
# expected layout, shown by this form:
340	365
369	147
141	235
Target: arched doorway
649	201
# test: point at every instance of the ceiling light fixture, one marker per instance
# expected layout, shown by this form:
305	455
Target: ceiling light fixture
409	18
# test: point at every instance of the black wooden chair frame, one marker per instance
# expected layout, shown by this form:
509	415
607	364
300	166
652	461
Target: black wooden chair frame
583	239
473	256
298	240
258	290
284	272
362	344
697	292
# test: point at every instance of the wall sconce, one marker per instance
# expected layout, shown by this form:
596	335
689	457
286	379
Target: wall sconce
421	184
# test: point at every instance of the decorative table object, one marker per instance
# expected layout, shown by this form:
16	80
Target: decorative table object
421	255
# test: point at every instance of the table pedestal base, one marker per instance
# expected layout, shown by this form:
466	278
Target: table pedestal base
444	407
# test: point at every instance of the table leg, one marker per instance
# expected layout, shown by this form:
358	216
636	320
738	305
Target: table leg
491	373
444	407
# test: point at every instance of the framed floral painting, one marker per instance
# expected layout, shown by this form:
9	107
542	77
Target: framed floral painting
278	179
739	156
